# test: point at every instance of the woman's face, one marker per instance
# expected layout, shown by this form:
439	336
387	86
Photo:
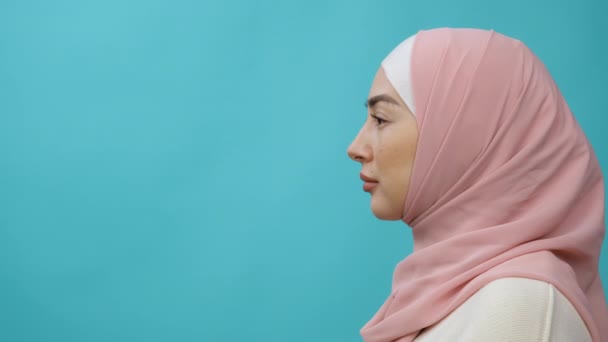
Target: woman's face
386	148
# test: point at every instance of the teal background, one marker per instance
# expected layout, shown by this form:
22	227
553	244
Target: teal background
177	170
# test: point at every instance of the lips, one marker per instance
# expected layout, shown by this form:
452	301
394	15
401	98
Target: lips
369	184
365	178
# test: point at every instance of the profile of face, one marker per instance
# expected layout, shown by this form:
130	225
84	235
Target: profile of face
386	147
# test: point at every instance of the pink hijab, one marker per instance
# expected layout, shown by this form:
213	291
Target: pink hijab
505	184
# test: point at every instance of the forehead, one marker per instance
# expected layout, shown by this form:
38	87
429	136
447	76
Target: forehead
381	85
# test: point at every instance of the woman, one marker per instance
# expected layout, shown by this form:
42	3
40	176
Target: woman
471	144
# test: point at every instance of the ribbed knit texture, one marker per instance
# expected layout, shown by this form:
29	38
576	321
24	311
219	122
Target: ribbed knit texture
511	310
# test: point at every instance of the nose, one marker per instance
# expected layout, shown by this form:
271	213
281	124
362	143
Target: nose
359	150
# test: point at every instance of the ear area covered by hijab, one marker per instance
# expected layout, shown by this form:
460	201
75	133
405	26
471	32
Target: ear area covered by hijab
504	184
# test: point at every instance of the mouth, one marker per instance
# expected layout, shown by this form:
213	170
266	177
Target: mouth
365	178
369	184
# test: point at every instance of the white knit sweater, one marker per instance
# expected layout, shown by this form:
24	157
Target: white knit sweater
511	310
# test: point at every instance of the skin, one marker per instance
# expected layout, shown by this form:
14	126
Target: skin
386	148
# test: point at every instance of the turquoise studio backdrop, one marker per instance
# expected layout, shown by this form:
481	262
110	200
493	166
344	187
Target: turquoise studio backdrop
177	170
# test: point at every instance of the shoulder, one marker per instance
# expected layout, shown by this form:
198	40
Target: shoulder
512	309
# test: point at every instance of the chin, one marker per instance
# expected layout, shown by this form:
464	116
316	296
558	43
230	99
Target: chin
383	211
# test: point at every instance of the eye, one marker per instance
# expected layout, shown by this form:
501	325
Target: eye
380	121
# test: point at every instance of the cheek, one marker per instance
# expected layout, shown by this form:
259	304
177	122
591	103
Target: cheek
395	163
391	156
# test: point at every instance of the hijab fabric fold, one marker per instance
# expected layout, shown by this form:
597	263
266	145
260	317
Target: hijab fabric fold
505	183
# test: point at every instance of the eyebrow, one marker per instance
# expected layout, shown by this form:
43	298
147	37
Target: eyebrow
372	101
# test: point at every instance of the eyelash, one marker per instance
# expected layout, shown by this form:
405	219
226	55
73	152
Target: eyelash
379	120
